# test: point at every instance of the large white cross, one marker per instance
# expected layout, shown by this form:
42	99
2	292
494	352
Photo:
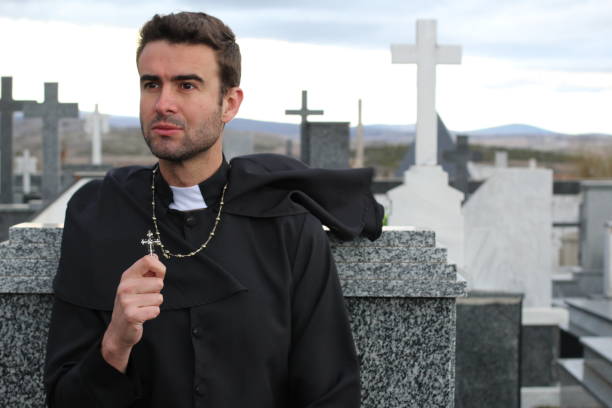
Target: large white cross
426	54
26	165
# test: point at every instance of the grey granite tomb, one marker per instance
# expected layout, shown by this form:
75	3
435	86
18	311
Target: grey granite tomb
400	293
488	350
8	106
328	145
51	111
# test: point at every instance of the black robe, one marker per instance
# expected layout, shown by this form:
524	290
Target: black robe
256	319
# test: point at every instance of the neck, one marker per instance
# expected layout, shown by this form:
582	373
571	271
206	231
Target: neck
193	171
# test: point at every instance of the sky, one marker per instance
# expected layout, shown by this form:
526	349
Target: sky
546	63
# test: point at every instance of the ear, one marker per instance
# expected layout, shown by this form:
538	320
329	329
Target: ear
231	103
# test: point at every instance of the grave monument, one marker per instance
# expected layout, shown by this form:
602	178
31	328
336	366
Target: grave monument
399	292
96	125
51	111
323	144
26	166
425	199
8	106
303	112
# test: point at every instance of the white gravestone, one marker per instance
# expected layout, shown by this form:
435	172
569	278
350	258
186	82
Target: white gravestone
425	200
508	230
96	125
26	166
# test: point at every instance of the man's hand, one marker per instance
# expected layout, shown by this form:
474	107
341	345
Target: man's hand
137	300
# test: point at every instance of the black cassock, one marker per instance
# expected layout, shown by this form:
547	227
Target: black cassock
257	319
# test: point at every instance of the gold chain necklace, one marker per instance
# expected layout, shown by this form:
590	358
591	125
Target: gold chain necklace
167	254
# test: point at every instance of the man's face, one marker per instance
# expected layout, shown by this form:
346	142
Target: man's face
181	110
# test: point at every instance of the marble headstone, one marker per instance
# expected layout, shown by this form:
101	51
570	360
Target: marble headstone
508	223
595	211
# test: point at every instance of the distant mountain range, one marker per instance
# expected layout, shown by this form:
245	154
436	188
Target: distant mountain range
373	133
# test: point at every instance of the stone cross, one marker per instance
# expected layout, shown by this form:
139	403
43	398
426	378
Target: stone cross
426	54
7	107
303	111
304	136
150	242
51	111
26	165
359	148
96	124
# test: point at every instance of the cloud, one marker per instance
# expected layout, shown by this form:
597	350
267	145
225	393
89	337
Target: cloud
567	34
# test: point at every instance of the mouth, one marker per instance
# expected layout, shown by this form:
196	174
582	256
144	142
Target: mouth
166	129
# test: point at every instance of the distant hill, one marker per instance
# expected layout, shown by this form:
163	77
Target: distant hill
514	129
512	135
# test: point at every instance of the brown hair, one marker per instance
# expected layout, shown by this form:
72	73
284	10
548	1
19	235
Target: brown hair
197	28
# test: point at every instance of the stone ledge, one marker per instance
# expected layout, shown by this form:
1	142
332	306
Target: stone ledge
27	267
390	255
403	288
34	250
405	271
29	233
391	237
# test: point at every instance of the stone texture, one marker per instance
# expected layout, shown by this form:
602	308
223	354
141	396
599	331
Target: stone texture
426	201
402	314
8	106
11	214
304	112
594	212
488	350
51	111
508	221
405	348
23	337
539	353
328	144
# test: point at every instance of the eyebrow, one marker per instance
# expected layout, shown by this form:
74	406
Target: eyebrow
177	78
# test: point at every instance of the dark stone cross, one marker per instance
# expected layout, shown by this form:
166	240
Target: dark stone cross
304	134
7	107
51	111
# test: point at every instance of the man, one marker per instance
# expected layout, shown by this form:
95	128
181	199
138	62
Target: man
242	306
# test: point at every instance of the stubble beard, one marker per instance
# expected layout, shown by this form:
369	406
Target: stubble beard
195	141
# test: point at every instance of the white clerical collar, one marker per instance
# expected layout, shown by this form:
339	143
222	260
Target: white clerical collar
187	198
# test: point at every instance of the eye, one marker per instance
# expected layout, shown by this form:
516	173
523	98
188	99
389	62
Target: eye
187	85
150	85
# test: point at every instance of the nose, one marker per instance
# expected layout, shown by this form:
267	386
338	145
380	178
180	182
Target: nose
166	102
